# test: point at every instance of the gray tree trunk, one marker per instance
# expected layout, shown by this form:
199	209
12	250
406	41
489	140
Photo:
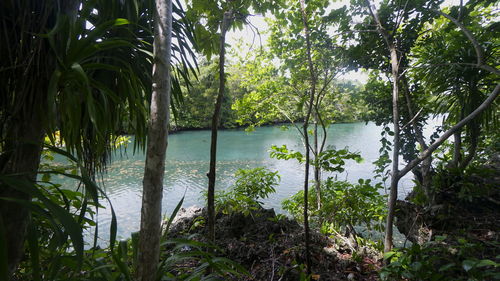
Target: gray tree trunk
149	238
393	195
391	204
226	22
425	168
457	148
317	168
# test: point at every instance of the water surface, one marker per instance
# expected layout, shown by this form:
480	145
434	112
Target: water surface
187	165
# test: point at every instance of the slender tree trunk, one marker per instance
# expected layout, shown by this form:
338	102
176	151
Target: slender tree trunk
395	152
149	238
426	164
391	204
306	135
226	22
471	151
317	168
457	148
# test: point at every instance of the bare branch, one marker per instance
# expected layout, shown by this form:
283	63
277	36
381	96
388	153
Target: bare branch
426	153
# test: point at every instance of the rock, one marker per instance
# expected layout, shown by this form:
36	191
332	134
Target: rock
184	219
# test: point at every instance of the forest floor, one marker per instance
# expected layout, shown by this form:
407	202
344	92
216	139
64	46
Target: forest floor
271	247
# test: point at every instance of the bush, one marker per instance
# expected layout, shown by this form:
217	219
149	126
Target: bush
438	260
244	196
344	205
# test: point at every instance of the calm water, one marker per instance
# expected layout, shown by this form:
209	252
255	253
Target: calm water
187	165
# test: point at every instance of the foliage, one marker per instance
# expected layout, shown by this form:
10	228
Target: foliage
438	260
59	213
330	160
51	257
344	206
283	153
333	160
447	68
245	195
464	185
198	100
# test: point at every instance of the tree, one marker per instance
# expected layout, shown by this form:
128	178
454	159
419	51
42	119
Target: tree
150	232
202	94
451	75
219	16
88	83
397	28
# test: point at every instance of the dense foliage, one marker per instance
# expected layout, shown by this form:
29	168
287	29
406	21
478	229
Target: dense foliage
76	74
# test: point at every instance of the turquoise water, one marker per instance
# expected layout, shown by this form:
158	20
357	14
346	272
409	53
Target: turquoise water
187	165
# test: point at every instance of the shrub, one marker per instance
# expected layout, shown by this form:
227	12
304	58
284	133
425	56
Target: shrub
250	188
344	205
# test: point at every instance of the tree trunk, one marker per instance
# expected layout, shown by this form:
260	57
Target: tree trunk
457	148
426	164
226	22
149	238
391	204
21	155
22	132
317	168
472	150
306	135
395	152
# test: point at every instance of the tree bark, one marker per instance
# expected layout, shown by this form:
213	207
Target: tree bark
426	164
457	148
21	155
225	24
388	241
149	238
317	168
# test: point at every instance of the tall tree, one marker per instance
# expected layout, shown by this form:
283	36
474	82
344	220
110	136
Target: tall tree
398	26
395	61
312	96
220	17
150	232
227	18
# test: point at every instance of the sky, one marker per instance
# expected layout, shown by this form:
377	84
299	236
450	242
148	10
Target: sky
248	37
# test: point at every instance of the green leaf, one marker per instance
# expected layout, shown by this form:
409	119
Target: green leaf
70	225
34	249
483	263
172	216
389	255
446	267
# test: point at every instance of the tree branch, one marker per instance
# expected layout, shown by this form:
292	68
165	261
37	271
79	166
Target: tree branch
426	153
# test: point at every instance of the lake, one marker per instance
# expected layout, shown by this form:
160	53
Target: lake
187	165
